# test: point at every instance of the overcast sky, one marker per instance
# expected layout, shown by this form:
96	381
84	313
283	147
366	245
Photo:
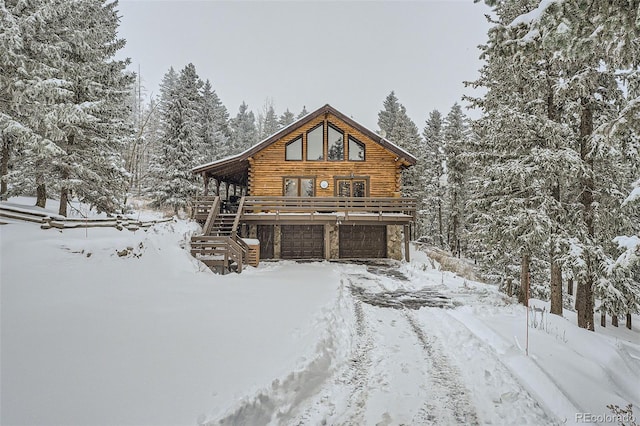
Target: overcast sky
347	54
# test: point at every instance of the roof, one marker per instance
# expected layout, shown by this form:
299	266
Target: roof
235	167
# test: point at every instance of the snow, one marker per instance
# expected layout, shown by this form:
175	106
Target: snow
634	195
534	15
102	327
628	243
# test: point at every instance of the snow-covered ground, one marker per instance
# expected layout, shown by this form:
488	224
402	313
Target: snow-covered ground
149	336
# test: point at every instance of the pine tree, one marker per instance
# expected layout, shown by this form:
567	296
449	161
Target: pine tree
596	40
243	130
455	138
268	123
433	154
73	98
397	127
389	117
286	118
303	112
181	142
552	89
215	125
523	157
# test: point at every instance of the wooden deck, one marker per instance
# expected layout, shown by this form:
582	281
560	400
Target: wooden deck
257	210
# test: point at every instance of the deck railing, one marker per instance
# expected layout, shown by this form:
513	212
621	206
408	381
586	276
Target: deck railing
377	205
217	251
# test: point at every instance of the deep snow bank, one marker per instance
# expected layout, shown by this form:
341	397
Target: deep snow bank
145	337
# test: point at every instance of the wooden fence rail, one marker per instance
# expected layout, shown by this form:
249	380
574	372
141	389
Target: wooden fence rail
48	220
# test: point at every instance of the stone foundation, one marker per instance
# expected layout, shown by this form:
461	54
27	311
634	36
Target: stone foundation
394	242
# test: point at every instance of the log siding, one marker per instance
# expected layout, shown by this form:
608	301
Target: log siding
269	166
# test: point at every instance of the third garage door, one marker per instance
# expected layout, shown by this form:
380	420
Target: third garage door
363	241
302	242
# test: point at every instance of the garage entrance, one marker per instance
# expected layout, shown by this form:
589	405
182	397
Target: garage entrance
265	234
302	242
363	241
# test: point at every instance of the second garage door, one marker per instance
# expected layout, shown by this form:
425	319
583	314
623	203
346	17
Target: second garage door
302	242
363	241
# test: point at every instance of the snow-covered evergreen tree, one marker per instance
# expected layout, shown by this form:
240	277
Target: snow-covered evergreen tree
181	143
455	138
396	126
598	43
268	122
555	73
303	112
215	125
73	98
286	118
433	215
243	130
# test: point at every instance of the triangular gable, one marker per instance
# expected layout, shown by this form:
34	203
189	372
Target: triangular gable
233	168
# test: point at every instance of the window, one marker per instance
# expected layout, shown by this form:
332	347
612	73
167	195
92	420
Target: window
293	150
335	143
315	143
299	187
356	150
320	146
351	187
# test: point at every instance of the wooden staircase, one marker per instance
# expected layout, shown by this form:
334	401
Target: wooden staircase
223	224
218	246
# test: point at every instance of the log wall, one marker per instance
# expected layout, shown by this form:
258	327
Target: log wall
268	167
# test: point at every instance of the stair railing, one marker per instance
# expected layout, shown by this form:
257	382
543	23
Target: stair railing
236	221
213	213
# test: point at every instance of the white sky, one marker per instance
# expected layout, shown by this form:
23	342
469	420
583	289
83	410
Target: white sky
347	54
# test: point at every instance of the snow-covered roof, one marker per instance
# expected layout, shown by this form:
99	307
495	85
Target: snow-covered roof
232	168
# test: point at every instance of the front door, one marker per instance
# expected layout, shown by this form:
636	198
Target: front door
265	236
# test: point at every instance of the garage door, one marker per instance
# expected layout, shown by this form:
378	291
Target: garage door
363	241
302	242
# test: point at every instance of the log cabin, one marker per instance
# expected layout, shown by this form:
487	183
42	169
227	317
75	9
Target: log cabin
324	187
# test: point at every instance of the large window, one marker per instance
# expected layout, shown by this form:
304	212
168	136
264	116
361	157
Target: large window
356	150
335	143
319	145
293	150
299	187
315	143
351	187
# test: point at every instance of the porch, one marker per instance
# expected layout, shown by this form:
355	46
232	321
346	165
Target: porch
262	210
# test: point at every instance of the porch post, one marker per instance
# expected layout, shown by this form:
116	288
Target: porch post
406	233
205	177
327	241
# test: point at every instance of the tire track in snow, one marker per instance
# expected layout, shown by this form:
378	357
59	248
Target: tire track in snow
447	399
342	401
453	404
360	365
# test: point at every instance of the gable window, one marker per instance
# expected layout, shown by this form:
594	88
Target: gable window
356	150
315	143
298	187
335	143
293	150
